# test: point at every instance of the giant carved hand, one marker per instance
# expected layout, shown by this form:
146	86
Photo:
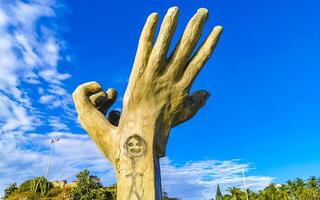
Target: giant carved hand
157	98
159	86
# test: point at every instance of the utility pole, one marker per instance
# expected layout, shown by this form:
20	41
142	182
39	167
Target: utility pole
244	183
53	141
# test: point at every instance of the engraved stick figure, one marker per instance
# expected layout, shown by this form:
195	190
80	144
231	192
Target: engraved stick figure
133	175
135	147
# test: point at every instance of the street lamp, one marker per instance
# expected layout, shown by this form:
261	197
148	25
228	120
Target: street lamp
244	183
53	141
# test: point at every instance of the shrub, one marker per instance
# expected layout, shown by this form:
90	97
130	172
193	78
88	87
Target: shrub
54	192
29	195
90	187
10	190
38	185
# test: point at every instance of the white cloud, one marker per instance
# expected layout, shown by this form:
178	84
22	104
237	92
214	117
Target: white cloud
56	124
198	179
14	116
52	76
29	54
3	18
45	99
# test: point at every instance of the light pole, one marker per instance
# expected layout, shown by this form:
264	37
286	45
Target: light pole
244	183
51	151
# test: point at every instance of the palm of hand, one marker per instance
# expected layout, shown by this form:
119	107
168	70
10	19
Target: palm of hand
163	84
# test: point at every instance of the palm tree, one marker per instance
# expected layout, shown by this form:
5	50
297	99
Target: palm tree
283	192
251	195
271	191
236	193
296	189
300	187
292	187
299	182
312	185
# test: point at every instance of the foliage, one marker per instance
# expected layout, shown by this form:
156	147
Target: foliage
166	197
10	190
39	185
218	193
24	195
296	189
89	187
56	191
30	189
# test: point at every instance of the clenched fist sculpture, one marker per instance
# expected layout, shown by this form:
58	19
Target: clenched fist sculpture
157	98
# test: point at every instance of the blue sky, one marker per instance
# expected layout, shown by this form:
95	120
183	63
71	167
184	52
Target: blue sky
263	113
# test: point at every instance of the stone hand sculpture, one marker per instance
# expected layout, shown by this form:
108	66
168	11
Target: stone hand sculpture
157	98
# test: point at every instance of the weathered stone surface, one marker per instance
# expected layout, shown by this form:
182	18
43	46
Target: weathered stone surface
157	99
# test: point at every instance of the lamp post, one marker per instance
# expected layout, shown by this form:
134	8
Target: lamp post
244	183
53	141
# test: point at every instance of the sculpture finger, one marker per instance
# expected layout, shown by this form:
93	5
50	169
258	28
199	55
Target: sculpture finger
187	43
144	46
201	57
143	52
85	90
194	103
99	100
159	52
112	95
104	100
87	96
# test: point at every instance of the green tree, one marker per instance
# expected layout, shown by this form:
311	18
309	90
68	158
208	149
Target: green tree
251	195
10	190
313	183
299	183
166	197
218	193
299	187
283	192
89	187
292	186
271	191
38	185
236	193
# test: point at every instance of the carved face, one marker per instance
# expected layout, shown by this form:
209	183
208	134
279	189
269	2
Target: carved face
135	146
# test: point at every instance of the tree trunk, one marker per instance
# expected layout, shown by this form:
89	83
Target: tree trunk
157	98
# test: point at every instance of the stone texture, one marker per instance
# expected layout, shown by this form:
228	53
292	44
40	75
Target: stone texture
157	98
